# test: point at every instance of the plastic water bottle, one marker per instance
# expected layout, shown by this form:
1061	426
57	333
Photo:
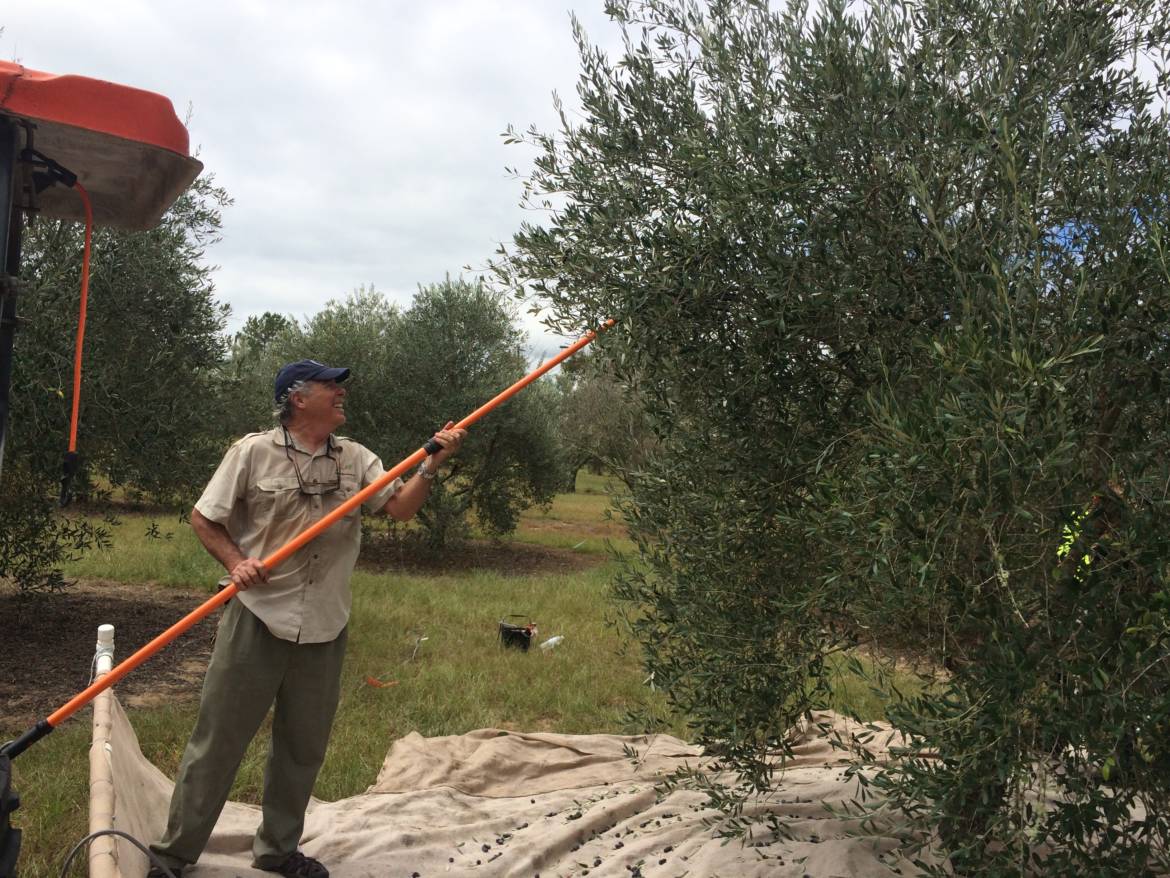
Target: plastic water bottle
551	642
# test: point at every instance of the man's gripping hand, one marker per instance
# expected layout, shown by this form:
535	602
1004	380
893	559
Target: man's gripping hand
450	440
249	572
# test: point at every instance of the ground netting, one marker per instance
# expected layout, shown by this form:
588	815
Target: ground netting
497	803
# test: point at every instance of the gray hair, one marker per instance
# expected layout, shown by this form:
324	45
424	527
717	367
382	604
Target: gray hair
284	408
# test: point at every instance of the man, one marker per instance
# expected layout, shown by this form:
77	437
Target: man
282	638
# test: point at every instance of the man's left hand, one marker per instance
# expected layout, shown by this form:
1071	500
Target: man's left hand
451	439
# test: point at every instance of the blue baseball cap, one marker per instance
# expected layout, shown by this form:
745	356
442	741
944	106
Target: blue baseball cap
305	370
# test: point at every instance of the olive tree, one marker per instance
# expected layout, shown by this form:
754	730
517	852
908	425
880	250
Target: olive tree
153	346
151	381
893	282
602	424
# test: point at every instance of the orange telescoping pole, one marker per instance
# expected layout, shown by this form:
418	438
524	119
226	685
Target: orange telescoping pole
78	701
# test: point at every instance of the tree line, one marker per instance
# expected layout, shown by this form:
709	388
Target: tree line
166	389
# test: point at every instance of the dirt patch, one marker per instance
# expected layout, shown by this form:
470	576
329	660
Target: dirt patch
49	646
511	559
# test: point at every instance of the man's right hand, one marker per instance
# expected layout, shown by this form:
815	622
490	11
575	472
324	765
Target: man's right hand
249	572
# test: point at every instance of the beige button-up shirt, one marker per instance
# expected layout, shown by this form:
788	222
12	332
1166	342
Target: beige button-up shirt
255	494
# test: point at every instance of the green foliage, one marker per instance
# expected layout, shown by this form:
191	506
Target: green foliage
253	359
458	347
893	283
152	347
452	350
257	335
602	423
35	540
151	381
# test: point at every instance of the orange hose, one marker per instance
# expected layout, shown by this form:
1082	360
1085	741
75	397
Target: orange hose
81	315
280	555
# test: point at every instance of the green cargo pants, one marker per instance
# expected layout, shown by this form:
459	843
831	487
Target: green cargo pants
249	669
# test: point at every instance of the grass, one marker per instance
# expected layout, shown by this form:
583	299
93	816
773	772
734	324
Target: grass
868	694
457	680
54	811
582	521
172	557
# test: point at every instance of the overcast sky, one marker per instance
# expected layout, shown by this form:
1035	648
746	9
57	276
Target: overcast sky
360	140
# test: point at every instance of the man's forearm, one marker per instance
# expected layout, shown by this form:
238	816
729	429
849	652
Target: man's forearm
216	540
408	499
245	572
411	496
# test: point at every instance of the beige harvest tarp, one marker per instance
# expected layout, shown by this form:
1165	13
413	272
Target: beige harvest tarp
496	803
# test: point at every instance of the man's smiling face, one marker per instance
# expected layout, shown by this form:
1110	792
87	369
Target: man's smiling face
323	402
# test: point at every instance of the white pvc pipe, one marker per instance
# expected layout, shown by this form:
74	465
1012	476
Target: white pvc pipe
105	649
103	851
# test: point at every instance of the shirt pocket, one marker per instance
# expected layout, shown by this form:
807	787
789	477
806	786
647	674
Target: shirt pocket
278	498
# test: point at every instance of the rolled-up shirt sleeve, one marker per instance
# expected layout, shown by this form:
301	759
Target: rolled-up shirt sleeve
227	486
373	471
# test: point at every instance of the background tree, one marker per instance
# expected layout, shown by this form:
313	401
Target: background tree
255	339
35	539
893	283
602	424
249	371
453	349
151	401
153	348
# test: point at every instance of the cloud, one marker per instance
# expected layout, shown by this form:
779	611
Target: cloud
360	141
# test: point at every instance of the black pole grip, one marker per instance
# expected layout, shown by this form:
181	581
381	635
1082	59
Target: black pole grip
432	447
14	748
